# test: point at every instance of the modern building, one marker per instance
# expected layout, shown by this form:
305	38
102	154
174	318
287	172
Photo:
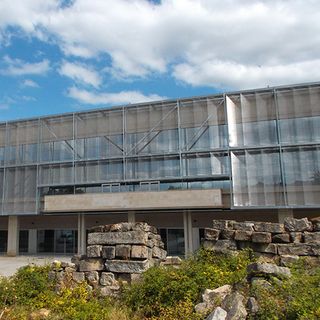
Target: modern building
176	164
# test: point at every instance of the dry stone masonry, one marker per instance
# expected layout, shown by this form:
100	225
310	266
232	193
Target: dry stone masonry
115	252
288	241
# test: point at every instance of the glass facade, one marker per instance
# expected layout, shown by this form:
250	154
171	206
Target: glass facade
262	146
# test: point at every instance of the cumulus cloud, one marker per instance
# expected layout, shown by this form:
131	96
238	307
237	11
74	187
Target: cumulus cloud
110	98
80	73
29	83
17	67
200	42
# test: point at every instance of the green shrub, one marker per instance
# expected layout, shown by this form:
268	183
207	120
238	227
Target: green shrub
165	287
295	298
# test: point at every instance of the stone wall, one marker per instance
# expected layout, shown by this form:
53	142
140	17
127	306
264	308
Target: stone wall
287	241
115	252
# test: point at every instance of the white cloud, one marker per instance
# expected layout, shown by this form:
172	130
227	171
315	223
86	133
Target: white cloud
29	83
109	98
203	42
80	73
17	67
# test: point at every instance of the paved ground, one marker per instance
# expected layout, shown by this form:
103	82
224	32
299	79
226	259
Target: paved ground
9	265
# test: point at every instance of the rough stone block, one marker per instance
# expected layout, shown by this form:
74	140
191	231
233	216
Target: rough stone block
252	305
96	229
316	224
241	235
91	264
110	291
123	252
107	279
261	237
109	252
94	251
110	238
243	226
234	305
267	269
143	226
217	295
295	249
78	277
139	252
311	237
92	277
296	237
287	260
220	245
121	227
281	238
123	266
222	224
159	253
217	314
211	234
226	234
297	225
258	247
269	227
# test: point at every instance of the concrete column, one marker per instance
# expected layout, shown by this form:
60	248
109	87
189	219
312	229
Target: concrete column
284	213
188	233
13	236
131	216
196	238
32	241
82	234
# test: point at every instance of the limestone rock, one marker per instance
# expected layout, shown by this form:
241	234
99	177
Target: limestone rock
244	226
252	305
287	260
261	237
217	314
201	308
211	234
108	252
123	252
121	227
123	266
234	305
296	237
281	238
223	224
316	224
92	277
110	238
172	260
78	277
297	225
139	252
312	237
91	264
241	235
295	249
267	269
220	245
159	253
94	251
217	295
112	291
107	279
226	234
269	227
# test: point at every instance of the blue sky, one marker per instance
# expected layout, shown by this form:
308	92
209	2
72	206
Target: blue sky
61	56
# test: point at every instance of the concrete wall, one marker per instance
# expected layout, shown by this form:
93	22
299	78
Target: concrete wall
134	201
